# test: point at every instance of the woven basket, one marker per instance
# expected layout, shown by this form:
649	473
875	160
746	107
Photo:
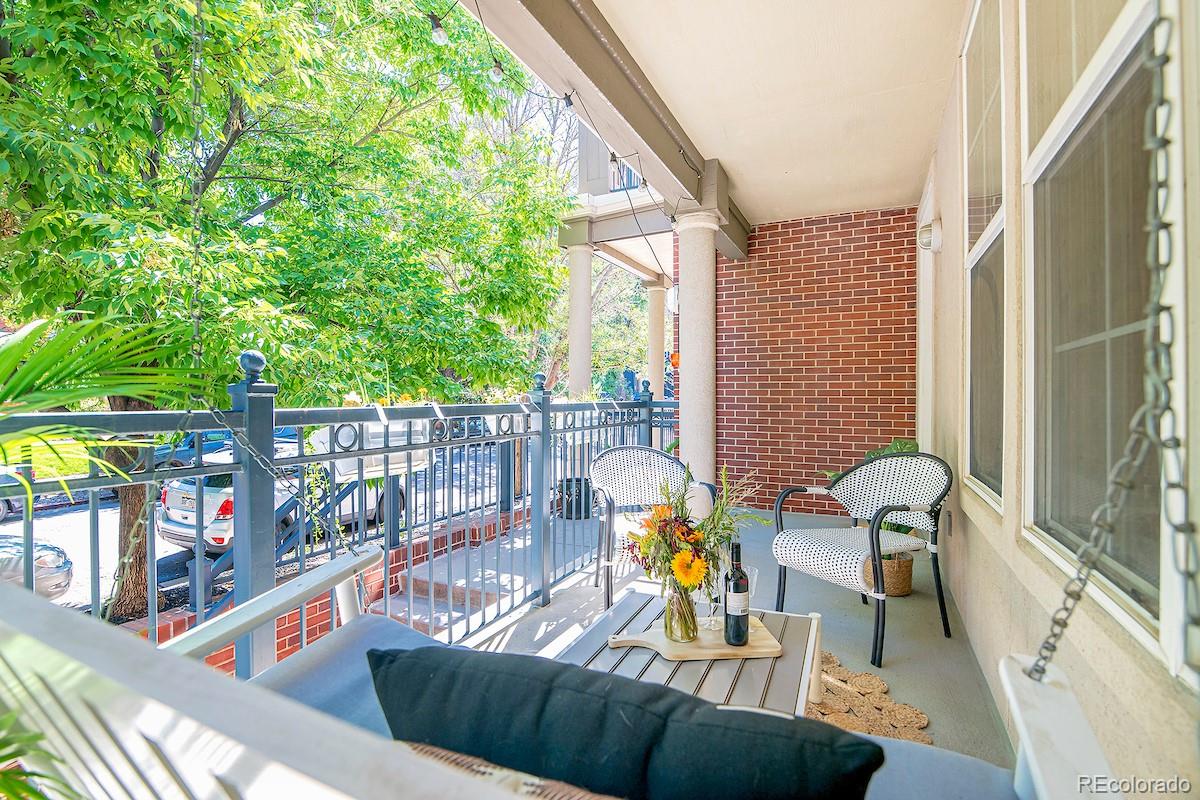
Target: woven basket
897	575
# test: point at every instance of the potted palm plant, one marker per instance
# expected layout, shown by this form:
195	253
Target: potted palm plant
53	365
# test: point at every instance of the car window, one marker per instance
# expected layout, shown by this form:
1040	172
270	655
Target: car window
216	436
223	481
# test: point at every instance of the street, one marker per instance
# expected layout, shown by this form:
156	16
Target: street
68	528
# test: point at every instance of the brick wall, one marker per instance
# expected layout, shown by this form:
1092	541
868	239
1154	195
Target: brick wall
816	348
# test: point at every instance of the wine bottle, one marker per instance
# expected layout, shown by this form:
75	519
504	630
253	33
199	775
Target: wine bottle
737	600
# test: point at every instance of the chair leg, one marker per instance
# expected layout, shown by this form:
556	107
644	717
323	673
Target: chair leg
864	598
600	534
877	641
782	588
937	583
610	538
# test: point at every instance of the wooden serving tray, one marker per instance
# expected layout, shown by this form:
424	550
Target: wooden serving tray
707	646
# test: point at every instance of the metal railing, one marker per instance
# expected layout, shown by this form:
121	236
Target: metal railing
479	508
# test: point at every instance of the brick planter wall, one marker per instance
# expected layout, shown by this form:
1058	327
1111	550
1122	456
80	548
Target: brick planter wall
816	348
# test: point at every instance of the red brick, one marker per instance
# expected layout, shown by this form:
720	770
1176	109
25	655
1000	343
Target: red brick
816	347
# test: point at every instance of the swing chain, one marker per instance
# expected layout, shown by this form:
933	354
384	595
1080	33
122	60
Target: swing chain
1154	424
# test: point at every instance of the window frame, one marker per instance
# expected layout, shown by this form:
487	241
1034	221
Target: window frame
1162	637
975	252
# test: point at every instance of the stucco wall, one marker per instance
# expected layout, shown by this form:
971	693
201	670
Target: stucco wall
1006	589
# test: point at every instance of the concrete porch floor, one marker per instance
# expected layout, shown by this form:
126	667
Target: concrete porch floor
938	675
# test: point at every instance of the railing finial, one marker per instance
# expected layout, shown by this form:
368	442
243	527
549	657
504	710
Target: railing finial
645	386
253	362
539	382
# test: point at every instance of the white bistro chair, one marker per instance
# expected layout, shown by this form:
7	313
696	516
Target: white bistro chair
630	478
903	488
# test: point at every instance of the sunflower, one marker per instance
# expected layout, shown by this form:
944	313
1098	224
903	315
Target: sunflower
689	569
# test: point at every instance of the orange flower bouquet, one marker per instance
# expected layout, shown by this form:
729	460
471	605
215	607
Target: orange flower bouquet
686	555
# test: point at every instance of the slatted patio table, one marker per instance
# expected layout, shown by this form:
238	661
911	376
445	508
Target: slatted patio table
783	683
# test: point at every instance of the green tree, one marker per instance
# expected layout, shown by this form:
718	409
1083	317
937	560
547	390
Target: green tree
361	223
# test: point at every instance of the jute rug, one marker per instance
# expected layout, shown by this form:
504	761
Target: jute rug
859	702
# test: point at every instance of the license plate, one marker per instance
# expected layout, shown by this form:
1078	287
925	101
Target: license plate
186	501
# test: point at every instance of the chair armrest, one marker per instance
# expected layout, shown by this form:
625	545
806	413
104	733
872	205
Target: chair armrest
788	492
876	525
882	513
221	630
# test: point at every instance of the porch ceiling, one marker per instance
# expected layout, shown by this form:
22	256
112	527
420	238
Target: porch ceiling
811	108
648	258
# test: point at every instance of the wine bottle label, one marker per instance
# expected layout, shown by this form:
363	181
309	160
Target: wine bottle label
737	603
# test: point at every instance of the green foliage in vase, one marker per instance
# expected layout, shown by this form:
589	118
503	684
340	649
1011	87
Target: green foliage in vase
684	552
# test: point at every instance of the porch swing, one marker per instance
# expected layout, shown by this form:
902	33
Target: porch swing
125	721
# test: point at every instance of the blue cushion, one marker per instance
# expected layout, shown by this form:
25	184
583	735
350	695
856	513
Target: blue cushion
915	771
332	674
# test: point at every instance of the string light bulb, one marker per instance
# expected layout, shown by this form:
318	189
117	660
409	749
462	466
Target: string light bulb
497	72
440	37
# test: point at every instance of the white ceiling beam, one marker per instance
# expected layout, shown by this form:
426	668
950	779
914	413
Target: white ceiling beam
631	264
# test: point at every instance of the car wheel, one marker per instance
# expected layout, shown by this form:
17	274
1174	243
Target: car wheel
381	507
381	516
5	510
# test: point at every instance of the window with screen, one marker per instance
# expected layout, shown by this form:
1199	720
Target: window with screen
1091	286
1061	36
987	367
984	223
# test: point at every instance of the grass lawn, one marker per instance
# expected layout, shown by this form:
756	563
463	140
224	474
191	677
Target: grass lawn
48	466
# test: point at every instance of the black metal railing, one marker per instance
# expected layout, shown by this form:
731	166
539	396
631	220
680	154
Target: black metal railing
480	508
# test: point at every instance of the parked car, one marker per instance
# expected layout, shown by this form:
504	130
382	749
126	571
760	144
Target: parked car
12	505
184	454
176	515
52	570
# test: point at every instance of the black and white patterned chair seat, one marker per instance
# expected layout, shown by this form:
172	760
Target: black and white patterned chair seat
838	555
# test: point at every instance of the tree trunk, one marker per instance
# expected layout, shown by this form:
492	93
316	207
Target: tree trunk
129	594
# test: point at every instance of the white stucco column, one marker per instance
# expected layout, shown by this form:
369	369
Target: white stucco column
656	309
698	342
579	320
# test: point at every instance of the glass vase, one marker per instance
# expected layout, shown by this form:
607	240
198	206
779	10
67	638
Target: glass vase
679	620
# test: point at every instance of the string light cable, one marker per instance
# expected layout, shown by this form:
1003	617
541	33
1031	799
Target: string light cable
613	157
